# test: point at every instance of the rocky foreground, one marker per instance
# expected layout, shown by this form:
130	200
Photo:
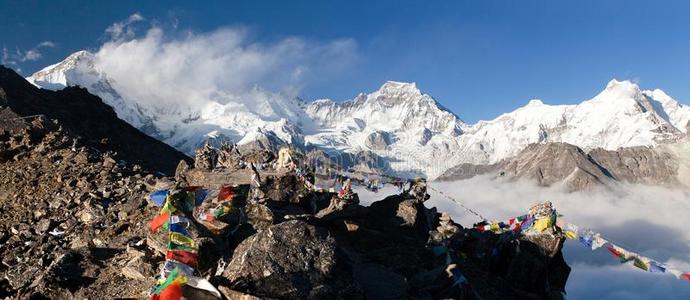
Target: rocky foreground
74	225
75	208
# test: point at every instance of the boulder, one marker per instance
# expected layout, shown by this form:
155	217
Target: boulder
291	260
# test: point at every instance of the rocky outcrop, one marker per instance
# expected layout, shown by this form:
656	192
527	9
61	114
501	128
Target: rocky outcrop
638	165
291	260
567	165
378	140
554	163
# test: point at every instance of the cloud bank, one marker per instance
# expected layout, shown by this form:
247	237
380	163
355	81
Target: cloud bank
649	220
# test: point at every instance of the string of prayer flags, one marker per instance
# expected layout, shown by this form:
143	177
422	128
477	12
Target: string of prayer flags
181	256
223	203
593	241
543	216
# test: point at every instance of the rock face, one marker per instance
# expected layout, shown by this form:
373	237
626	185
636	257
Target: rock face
638	165
378	140
290	260
553	163
564	164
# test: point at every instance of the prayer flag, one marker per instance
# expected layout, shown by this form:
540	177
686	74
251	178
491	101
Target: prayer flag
171	265
173	277
638	262
656	267
185	257
177	227
570	235
615	251
225	194
598	242
183	240
158	221
158	197
178	219
199	196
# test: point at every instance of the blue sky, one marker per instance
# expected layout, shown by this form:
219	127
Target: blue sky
478	58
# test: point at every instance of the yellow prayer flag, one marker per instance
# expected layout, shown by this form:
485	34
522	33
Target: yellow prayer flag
181	239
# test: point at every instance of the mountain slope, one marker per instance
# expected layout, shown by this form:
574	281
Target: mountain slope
85	115
407	130
550	164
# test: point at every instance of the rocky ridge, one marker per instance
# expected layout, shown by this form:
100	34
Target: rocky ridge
561	164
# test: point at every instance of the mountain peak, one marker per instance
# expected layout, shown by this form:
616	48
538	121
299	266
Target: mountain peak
619	85
620	90
535	102
399	88
79	54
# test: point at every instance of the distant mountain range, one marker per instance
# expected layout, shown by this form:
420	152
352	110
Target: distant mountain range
409	132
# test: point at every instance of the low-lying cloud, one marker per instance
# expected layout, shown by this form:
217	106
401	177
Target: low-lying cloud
649	220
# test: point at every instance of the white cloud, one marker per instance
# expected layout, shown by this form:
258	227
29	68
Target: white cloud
47	44
189	69
123	29
6	57
32	54
646	219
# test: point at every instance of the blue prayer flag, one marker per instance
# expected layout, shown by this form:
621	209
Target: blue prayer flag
158	197
177	227
199	196
656	267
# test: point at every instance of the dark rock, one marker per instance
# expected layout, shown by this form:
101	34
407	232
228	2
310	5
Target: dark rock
291	260
206	158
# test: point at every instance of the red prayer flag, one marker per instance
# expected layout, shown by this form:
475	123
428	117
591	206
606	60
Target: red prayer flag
225	193
615	252
185	257
172	292
685	276
159	221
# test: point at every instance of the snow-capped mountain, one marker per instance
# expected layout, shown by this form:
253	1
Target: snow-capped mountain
178	123
408	129
397	122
